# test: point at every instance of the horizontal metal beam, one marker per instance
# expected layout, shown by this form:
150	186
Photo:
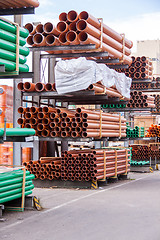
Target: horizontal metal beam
71	55
17	11
64	47
20	75
117	66
150	90
127	109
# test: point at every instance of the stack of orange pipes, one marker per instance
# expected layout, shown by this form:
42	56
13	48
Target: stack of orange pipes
140	100
157	103
45	168
153	131
18	4
80	29
61	122
141	68
48	87
86	165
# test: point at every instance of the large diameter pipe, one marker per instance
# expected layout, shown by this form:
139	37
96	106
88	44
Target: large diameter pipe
94	21
13	29
86	38
62	27
39	39
82	25
29	87
62	39
72	37
11	37
31	28
4	54
72	16
11	66
51	40
50	29
9	46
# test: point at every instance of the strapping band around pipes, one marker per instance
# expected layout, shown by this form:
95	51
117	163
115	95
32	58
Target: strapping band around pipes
115	163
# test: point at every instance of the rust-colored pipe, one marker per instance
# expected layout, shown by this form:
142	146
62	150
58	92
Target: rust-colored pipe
62	27
63	17
20	86
33	121
48	110
82	25
39	39
30	41
73	27
86	38
50	29
39	87
34	109
51	40
48	87
46	121
42	115
31	28
21	121
45	133
72	16
62	39
29	87
72	37
94	22
39	28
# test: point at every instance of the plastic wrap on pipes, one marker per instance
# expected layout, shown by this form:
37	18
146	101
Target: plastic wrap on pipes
18	132
12	47
11	66
11	56
11	37
13	29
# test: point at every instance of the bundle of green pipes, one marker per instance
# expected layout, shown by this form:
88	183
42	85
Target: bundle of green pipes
138	163
134	132
11	185
15	132
8	47
118	105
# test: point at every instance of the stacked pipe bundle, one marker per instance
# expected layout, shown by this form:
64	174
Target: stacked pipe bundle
118	105
86	165
8	48
141	68
48	87
140	100
157	103
18	4
45	168
80	29
11	185
140	152
61	122
134	132
140	86
153	131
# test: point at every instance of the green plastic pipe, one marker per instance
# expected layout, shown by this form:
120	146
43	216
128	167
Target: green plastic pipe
11	56
15	191
13	29
16	180
6	45
10	132
14	186
10	198
11	66
12	175
11	37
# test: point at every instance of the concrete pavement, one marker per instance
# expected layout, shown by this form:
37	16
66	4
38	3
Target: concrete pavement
126	210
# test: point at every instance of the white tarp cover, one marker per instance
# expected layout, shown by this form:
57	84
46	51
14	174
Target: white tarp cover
77	74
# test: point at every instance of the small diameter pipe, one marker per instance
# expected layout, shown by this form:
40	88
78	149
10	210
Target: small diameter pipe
29	87
39	87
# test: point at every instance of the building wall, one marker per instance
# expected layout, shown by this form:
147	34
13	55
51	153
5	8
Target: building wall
151	49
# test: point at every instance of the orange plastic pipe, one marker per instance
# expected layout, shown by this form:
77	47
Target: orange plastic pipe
29	87
49	28
72	16
39	39
72	37
62	27
51	40
31	28
62	39
107	30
